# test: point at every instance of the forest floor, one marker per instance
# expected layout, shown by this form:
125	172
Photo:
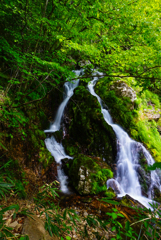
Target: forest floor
85	207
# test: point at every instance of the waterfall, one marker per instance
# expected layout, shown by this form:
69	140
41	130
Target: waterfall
56	149
126	181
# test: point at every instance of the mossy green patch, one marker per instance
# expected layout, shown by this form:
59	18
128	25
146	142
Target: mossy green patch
110	194
45	157
87	171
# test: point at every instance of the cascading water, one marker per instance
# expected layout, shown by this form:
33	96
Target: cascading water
56	149
127	181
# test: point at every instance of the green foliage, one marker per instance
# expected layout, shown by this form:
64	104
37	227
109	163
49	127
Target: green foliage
148	96
148	134
109	194
99	179
13	173
45	156
20	188
72	150
4	187
107	200
147	131
97	188
155	166
11	116
148	223
5	232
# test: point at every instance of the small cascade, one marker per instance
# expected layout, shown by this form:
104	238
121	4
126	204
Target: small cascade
56	149
126	181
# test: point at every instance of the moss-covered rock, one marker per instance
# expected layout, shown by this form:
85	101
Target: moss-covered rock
123	90
88	133
157	195
119	104
130	202
88	175
110	193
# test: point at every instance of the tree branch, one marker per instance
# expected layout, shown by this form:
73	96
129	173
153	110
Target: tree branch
120	76
149	69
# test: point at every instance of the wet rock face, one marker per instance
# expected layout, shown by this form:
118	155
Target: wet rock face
84	184
111	183
144	179
131	202
88	175
144	174
123	90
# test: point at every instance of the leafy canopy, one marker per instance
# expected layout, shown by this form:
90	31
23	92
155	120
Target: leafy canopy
40	40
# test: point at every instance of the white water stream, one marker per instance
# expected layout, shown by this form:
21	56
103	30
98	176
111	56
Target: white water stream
126	181
56	149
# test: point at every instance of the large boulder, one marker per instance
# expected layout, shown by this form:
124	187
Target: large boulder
123	90
34	227
127	200
152	114
88	175
86	130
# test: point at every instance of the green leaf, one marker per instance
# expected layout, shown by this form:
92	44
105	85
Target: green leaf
145	224
110	214
120	224
120	215
148	233
114	209
3	146
114	216
14	215
24	238
68	238
127	226
6	185
16	207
